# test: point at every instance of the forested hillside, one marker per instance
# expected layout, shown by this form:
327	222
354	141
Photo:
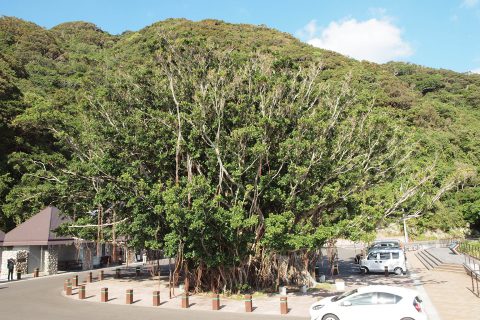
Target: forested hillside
236	148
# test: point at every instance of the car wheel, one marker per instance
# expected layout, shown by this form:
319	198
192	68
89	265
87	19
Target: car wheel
407	319
365	270
398	271
330	317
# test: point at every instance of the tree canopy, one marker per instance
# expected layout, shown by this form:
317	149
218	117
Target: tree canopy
236	149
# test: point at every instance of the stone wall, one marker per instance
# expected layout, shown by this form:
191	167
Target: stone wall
50	263
131	257
22	261
21	258
87	256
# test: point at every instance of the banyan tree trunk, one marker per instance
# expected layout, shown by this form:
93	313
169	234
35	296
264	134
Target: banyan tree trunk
268	271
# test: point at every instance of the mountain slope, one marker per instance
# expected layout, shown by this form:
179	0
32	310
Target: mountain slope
47	75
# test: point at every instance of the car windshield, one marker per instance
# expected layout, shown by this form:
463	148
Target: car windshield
385	245
344	295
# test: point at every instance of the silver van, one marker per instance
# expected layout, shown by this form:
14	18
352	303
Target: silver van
378	259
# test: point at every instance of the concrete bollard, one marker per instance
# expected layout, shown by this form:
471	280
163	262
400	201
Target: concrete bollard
117	273
75	281
36	273
156	298
129	296
248	303
101	275
104	295
137	272
185	303
65	284
81	292
386	271
283	305
215	301
90	277
68	290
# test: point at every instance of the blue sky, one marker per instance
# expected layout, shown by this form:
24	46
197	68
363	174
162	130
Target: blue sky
434	33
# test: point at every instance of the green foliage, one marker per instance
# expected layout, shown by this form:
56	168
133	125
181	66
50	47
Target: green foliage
226	145
471	248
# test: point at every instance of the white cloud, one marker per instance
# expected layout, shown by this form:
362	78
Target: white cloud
308	31
469	3
476	71
376	40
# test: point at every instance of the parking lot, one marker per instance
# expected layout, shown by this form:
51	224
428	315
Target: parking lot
352	275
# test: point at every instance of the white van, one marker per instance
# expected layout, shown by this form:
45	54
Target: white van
378	259
379	244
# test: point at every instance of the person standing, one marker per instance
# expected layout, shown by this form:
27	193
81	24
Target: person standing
10	267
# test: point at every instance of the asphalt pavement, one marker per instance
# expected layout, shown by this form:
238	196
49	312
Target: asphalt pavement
42	299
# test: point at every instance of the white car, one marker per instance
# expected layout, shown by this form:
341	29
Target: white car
371	303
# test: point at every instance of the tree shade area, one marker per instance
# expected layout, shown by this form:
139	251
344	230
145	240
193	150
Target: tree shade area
236	149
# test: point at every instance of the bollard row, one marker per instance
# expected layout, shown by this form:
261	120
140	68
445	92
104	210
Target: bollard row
156	297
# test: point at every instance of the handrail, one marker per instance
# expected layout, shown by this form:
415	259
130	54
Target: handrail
474	276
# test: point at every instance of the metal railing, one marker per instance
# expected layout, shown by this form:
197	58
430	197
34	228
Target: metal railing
422	245
472	266
468	248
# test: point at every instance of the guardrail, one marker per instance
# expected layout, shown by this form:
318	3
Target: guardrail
422	245
468	248
472	267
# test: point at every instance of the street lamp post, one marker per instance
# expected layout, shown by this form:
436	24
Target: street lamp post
405	229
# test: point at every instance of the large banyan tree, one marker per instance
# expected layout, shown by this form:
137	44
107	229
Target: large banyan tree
240	166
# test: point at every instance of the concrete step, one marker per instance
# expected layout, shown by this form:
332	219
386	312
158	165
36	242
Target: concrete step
425	258
433	257
425	263
451	268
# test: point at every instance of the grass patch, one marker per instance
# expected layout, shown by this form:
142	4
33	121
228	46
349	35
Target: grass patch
234	296
322	287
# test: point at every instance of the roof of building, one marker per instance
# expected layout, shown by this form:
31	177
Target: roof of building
38	230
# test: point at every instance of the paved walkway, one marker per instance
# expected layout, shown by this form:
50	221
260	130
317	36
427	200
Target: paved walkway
298	303
446	255
41	299
144	286
449	292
